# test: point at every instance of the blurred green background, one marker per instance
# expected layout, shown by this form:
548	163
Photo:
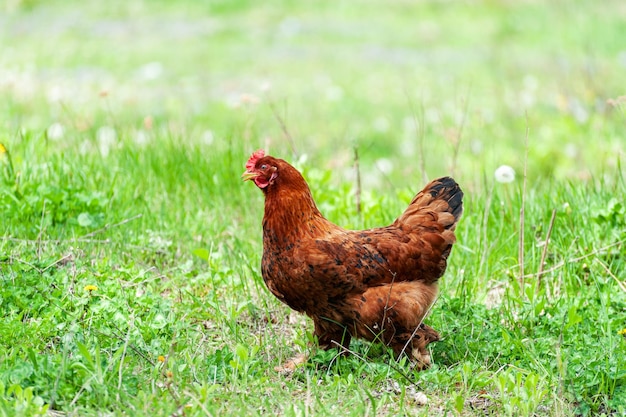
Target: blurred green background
450	83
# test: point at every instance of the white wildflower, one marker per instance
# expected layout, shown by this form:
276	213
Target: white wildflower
505	174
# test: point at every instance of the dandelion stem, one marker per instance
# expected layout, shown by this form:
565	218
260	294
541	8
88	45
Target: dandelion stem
621	284
521	212
109	226
283	127
578	258
357	194
545	249
422	133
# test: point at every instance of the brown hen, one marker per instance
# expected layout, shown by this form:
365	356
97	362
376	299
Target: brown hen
375	284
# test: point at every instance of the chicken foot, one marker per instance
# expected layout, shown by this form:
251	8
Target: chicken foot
329	335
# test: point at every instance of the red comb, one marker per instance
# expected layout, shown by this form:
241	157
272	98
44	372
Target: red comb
255	157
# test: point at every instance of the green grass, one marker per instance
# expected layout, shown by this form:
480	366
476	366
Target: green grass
127	125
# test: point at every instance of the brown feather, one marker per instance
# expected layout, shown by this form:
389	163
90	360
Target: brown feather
376	284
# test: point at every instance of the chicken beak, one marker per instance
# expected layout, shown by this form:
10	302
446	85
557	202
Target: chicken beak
249	175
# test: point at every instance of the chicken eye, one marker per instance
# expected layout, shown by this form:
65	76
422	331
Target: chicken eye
263	167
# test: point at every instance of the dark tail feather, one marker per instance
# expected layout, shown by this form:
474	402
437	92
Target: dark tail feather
447	189
442	196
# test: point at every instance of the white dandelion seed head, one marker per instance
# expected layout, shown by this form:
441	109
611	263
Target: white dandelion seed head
578	111
289	27
384	165
106	137
151	71
408	146
55	93
410	126
334	93
432	116
476	146
505	174
141	137
381	124
56	131
303	158
265	86
571	150
567	208
207	137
